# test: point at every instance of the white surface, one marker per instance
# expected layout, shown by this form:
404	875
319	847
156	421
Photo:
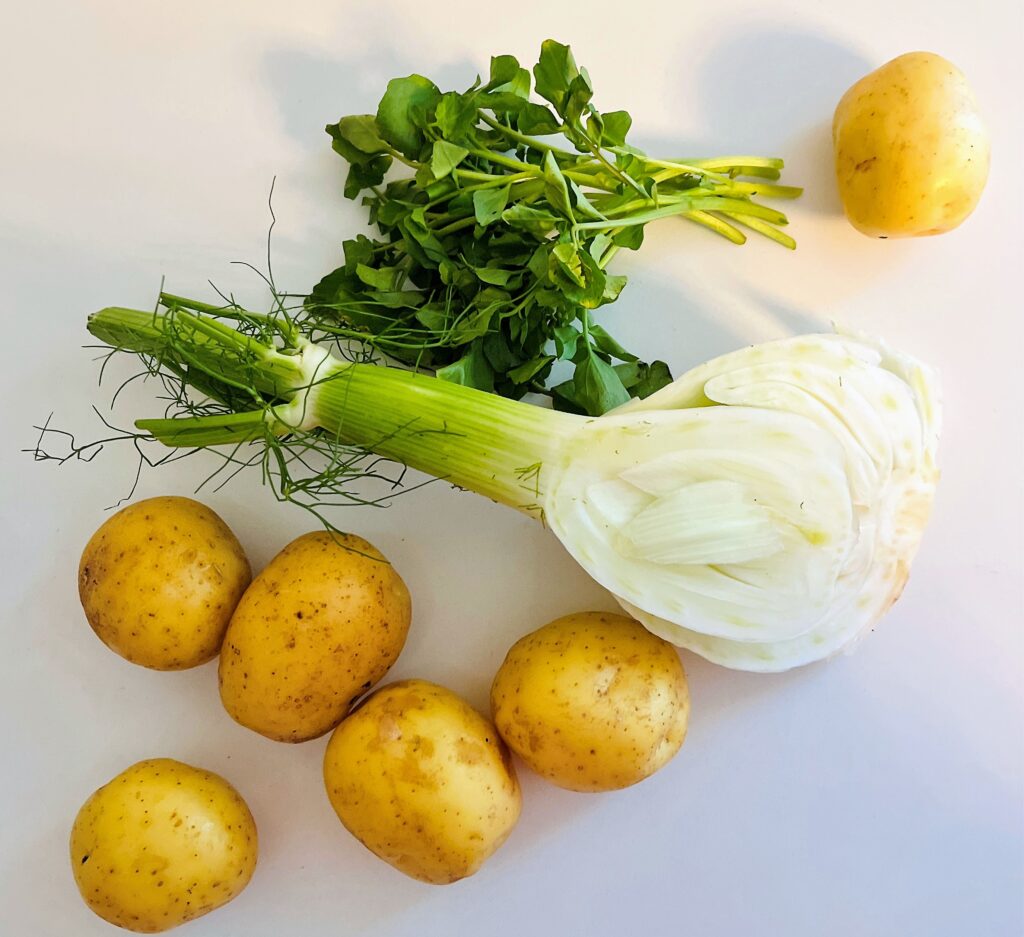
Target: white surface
880	794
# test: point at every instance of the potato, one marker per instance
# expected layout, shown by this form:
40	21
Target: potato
592	701
422	780
159	581
911	150
161	844
317	628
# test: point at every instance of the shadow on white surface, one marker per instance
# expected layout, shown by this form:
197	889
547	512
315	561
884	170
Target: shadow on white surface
800	77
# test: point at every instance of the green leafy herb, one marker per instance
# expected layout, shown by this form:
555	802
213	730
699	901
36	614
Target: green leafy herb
493	249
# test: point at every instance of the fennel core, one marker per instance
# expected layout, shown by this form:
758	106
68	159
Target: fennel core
292	387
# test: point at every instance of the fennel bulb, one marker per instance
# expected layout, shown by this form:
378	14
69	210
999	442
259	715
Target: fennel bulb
762	510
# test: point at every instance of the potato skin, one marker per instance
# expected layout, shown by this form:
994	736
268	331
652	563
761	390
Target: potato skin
424	781
159	580
592	701
160	844
322	623
911	150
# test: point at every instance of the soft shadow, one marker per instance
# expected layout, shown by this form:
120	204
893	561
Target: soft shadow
800	79
787	112
790	320
312	90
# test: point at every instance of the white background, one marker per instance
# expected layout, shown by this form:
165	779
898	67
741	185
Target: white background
879	794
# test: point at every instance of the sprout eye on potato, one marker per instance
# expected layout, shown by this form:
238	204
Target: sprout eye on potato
592	701
160	844
159	580
320	625
911	150
423	781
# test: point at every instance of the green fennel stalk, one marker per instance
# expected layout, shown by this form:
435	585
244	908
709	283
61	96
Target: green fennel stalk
278	388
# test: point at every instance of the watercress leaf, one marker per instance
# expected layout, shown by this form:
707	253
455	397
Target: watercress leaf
391	212
501	102
633	164
425	176
616	126
492	297
604	342
549	298
566	269
595	126
519	85
415	226
629	373
554	73
577	100
402	112
363	175
577	275
456	116
652	377
537	220
362	132
434	316
530	369
597	388
386	279
583	204
504	69
598	245
536	120
357	250
398	299
488	204
563	397
630	237
445	157
471	370
325	292
538	262
566	337
345	147
495	276
474	324
613	285
499	354
555	187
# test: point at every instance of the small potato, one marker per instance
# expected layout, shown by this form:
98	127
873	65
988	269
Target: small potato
317	628
161	844
421	779
159	581
592	701
911	151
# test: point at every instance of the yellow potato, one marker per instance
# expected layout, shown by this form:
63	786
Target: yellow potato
422	780
911	150
317	628
592	701
161	844
159	581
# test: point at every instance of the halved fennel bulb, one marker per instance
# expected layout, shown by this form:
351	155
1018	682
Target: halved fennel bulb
762	510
